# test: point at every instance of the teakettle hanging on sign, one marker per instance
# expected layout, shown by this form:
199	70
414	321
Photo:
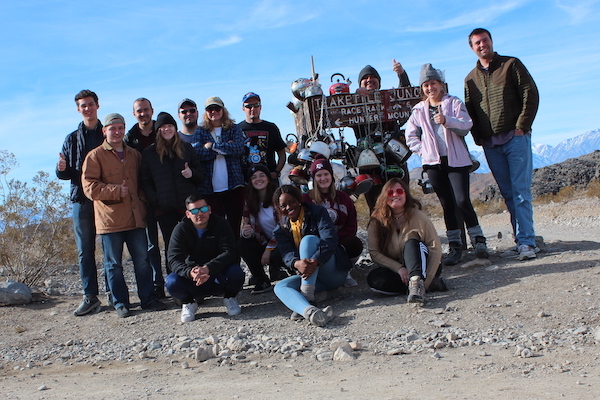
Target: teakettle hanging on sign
339	87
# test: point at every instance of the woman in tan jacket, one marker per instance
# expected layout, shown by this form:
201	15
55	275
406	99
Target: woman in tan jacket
403	244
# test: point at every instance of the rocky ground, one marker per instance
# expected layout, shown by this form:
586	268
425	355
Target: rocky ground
505	329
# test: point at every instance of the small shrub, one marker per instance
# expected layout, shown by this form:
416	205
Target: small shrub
36	234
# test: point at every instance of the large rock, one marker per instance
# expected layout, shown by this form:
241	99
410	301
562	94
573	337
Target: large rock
14	293
576	172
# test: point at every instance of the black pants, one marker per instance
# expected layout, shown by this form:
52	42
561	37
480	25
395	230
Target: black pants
167	223
251	251
352	245
228	204
452	188
415	260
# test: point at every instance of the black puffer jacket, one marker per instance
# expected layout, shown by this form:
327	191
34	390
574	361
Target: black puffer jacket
166	189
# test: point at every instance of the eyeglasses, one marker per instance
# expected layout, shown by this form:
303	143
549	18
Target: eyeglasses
252	105
202	209
214	108
397	192
188	111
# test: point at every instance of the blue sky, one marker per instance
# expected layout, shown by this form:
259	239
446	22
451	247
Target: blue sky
125	50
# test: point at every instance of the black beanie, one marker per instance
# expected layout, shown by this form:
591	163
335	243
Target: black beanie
368	70
163	119
258	167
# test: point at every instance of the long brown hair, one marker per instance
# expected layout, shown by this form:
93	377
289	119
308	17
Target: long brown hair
382	217
170	148
316	194
252	199
226	121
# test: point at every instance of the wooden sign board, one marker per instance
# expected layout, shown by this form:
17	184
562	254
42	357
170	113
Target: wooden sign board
350	109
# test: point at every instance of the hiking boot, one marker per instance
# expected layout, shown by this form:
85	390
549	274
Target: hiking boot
480	248
526	252
262	288
188	312
416	290
233	308
122	312
454	254
437	285
88	306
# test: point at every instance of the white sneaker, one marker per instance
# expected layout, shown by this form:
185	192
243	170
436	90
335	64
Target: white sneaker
513	252
188	312
526	252
233	308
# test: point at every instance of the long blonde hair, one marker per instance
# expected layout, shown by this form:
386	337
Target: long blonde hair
382	217
226	121
170	148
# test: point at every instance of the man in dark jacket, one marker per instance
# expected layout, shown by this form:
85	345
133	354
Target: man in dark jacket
203	259
76	146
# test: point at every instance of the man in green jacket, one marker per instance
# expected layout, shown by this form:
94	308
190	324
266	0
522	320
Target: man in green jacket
502	99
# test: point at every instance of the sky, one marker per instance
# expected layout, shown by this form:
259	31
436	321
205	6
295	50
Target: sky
124	50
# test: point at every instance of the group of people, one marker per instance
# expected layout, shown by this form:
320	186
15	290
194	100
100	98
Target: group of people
213	190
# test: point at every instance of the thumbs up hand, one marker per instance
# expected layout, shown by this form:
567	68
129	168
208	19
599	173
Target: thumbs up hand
124	189
62	162
186	172
439	117
397	67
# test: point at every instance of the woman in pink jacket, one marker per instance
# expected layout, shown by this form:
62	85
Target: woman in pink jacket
436	130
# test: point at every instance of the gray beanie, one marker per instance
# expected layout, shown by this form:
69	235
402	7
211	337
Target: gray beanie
368	70
428	73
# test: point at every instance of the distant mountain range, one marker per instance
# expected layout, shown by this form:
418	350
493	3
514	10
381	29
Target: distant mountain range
543	154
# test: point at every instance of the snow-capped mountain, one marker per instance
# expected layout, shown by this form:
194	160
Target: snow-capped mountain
543	154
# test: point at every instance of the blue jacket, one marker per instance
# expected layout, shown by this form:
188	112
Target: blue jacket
76	146
316	222
231	146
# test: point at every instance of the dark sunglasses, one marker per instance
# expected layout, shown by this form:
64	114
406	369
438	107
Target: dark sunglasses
214	108
188	111
397	192
253	105
202	209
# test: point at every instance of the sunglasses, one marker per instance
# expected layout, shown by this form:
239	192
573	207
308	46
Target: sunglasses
202	209
253	105
188	111
214	108
397	192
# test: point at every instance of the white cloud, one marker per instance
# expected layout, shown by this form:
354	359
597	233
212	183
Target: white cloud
578	10
233	39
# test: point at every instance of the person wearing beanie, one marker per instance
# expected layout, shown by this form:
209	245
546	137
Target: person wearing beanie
171	172
219	143
110	178
339	206
256	244
435	131
263	138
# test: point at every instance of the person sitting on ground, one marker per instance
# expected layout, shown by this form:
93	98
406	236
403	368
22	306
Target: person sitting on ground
435	131
308	243
203	259
340	208
403	244
256	244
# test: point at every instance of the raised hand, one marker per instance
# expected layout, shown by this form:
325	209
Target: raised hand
124	189
62	162
186	172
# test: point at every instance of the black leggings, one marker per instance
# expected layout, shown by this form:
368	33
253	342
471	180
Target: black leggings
384	279
452	188
251	251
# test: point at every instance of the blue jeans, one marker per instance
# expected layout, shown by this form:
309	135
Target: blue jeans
85	238
137	244
511	165
327	277
228	283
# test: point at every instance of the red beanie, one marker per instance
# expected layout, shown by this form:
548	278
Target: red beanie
320	163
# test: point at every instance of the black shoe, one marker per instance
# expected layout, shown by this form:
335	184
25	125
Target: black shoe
437	285
159	291
262	288
88	306
155	305
454	254
253	280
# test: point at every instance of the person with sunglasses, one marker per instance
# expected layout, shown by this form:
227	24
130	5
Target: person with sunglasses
435	131
309	244
203	259
263	138
404	246
188	115
170	173
219	143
